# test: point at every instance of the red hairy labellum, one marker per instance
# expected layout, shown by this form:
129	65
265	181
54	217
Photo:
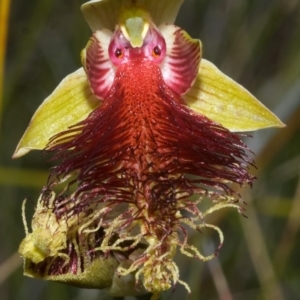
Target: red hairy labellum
145	135
133	164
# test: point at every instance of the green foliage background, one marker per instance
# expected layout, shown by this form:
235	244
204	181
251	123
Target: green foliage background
256	42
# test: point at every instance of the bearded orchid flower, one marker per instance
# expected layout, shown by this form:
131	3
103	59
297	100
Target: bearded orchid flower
144	134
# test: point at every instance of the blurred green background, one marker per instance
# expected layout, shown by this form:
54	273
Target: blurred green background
257	43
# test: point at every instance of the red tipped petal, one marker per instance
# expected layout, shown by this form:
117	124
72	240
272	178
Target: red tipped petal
181	64
98	66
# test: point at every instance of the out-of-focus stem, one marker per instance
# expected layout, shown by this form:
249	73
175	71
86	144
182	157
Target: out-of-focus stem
289	234
4	13
218	276
9	266
260	257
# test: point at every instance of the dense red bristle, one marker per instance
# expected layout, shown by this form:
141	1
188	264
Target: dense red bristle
142	140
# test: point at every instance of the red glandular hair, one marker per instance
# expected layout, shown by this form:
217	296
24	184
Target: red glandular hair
144	146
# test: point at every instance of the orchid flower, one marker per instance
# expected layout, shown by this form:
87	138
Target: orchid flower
144	134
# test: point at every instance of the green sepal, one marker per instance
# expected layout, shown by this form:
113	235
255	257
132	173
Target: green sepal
97	274
226	102
105	13
69	103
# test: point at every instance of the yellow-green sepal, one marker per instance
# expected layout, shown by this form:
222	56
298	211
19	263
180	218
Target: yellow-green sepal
105	13
226	102
69	103
101	273
97	274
